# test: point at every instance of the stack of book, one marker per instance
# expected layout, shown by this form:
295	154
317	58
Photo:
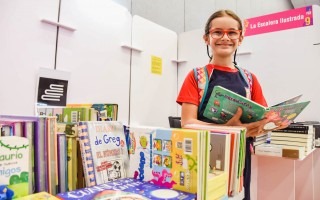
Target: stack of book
295	141
296	135
226	160
261	139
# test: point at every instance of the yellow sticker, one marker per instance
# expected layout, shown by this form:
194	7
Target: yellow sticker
156	65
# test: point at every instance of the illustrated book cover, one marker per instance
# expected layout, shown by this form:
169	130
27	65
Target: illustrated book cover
38	136
104	151
169	157
223	104
127	188
15	169
140	152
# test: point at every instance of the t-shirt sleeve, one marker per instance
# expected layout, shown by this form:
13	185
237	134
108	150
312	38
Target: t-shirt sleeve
257	94
189	90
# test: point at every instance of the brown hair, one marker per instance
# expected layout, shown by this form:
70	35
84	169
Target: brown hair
222	13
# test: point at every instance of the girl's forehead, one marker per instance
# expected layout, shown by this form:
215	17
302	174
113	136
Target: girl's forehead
225	22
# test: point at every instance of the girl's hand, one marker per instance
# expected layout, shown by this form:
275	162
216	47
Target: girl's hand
253	128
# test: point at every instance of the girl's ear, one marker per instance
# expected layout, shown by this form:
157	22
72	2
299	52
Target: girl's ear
240	40
206	39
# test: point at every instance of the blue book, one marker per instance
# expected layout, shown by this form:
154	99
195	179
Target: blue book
126	188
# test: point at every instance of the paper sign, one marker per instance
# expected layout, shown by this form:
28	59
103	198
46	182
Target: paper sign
156	65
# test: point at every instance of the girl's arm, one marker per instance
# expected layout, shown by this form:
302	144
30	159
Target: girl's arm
189	116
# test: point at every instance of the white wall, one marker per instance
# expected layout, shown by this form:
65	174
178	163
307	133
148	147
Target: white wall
26	45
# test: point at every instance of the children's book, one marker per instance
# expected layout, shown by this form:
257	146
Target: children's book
235	165
37	135
14	167
73	115
173	158
104	151
102	111
127	188
223	104
140	152
289	101
70	130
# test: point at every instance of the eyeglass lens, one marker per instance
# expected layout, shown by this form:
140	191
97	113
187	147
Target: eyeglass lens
232	34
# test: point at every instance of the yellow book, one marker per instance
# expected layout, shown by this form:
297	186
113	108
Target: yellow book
172	158
39	196
217	184
218	193
217	179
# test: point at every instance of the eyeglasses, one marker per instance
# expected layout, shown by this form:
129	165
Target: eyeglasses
219	33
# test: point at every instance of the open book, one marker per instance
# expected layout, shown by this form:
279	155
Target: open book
223	104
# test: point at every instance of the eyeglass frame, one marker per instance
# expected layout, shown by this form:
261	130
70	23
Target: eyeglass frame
225	32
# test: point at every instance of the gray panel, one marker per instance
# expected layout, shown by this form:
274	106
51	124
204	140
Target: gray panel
124	3
243	9
273	6
261	7
197	13
166	13
256	8
226	4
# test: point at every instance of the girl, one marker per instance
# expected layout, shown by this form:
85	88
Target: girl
223	34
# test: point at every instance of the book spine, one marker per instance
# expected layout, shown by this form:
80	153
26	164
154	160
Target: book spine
317	135
293	135
304	131
39	146
86	155
62	162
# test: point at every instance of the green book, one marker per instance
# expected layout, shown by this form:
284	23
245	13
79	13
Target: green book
15	170
223	104
73	115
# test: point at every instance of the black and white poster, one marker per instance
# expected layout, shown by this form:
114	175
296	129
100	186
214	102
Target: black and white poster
52	92
52	88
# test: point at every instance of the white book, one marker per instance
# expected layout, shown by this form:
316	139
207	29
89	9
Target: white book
280	151
293	135
140	152
291	143
104	151
292	139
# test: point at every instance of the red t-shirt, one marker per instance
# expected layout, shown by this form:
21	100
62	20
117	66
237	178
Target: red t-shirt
189	90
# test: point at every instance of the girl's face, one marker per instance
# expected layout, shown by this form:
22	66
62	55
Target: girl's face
227	28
